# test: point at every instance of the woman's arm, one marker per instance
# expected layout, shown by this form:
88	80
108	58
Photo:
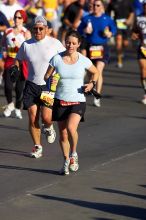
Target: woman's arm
49	72
94	77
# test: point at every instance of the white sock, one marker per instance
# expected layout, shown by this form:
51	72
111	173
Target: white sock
74	154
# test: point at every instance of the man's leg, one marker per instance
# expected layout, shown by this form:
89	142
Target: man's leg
34	128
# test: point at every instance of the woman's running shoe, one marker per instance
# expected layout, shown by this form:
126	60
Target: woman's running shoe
74	165
8	110
36	151
65	168
144	100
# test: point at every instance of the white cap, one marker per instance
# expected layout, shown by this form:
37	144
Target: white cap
40	20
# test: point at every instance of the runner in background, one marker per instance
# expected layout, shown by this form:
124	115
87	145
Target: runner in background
139	34
98	28
123	13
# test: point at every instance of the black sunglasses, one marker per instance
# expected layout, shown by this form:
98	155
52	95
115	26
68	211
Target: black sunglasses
17	17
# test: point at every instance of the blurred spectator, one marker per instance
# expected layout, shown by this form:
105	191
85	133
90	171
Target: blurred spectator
8	9
72	16
4	24
50	12
12	40
138	6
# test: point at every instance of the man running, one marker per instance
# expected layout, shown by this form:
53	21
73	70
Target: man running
37	52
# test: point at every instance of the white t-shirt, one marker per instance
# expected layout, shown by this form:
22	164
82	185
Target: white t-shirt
71	80
38	55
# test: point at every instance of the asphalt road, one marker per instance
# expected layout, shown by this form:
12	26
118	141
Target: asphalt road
111	181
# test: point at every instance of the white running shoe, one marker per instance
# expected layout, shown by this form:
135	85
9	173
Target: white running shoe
36	151
144	100
50	134
8	110
18	113
96	102
120	65
65	168
74	165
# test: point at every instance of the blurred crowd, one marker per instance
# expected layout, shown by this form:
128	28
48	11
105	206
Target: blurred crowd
64	15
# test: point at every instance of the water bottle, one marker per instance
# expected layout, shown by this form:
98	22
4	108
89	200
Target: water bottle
89	27
53	86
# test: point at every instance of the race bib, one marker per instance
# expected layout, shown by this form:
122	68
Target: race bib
120	24
47	97
143	50
96	52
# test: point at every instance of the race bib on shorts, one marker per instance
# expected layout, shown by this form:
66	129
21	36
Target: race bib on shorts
47	97
96	52
120	24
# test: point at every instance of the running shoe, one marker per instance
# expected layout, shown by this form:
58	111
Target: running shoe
18	113
36	151
119	65
50	134
65	168
74	165
96	102
8	110
144	100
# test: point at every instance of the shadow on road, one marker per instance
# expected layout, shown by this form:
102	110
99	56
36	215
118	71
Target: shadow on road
123	210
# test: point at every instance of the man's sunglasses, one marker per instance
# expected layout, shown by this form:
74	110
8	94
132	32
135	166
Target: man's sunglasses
38	28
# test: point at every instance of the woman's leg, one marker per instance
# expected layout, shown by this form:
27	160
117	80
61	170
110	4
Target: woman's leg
72	126
8	86
19	87
64	142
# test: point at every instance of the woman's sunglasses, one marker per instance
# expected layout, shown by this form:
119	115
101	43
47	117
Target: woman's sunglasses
15	17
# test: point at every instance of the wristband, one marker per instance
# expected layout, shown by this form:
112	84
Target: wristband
94	82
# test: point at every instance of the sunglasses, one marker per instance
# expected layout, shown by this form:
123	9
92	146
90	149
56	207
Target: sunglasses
95	5
18	17
38	28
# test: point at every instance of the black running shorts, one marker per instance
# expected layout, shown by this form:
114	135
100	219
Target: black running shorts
31	95
61	113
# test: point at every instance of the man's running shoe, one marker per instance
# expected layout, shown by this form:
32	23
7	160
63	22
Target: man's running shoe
8	110
50	134
65	168
36	151
96	102
74	165
18	113
144	100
